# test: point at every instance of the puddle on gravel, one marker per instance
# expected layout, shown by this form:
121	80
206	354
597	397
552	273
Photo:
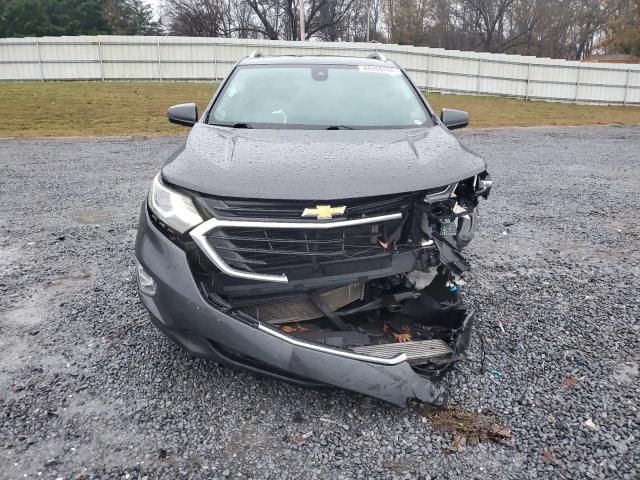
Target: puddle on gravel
91	216
7	256
115	447
20	325
86	407
11	351
33	310
65	283
28	314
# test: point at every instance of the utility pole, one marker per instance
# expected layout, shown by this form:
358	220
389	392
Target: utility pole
368	18
301	8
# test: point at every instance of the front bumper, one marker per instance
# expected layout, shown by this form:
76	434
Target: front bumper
182	313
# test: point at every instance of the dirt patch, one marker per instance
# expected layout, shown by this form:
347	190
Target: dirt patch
469	428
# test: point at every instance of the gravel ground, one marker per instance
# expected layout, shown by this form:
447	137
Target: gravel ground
88	389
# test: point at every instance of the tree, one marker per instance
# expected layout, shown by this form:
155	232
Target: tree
407	20
623	32
273	19
555	28
199	18
327	17
21	18
131	17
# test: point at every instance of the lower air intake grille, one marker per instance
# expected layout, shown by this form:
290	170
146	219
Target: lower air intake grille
416	352
300	308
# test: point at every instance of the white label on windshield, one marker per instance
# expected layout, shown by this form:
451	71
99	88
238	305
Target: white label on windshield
377	69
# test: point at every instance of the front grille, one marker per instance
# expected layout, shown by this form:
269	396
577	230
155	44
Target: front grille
292	209
265	250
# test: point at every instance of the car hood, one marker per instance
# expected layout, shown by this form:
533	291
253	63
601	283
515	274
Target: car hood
318	164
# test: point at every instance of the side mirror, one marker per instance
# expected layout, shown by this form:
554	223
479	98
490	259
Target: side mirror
184	114
453	119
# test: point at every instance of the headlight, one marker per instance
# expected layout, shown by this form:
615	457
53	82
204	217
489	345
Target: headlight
439	194
173	208
472	187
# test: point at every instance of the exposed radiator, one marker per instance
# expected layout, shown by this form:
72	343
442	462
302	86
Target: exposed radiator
300	308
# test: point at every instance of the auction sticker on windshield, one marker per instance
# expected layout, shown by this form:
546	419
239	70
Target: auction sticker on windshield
379	69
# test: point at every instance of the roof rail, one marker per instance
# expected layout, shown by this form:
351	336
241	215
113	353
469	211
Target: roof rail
377	56
256	54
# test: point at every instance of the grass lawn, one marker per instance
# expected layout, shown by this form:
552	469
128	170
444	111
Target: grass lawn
139	108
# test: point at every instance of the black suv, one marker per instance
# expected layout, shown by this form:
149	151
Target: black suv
310	228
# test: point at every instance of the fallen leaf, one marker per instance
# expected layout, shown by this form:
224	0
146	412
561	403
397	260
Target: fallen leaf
288	329
458	444
300	439
548	456
402	337
500	431
500	434
569	382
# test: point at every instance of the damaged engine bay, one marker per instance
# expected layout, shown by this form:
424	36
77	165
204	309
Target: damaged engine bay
336	293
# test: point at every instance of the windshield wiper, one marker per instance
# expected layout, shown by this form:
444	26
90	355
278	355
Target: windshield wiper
339	127
241	125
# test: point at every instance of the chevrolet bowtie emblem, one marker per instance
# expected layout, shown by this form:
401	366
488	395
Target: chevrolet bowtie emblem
323	212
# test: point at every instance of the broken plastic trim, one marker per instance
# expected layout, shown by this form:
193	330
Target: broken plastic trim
450	256
398	359
224	307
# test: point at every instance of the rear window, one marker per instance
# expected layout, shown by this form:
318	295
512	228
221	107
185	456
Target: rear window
319	96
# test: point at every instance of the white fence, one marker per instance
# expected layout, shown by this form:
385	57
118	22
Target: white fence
435	69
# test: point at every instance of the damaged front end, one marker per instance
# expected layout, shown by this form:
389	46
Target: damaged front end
373	280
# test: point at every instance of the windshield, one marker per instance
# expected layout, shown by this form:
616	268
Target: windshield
318	96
